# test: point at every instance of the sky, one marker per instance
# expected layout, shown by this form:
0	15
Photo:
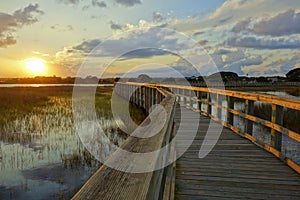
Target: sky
116	37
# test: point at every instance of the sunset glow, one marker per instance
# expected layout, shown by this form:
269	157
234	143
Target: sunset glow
35	65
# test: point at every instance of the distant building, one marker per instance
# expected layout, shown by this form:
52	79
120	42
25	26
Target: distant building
273	79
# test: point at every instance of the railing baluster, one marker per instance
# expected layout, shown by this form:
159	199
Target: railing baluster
191	102
140	96
249	110
230	105
219	106
277	118
209	107
199	100
184	97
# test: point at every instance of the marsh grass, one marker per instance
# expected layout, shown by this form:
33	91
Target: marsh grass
37	130
33	116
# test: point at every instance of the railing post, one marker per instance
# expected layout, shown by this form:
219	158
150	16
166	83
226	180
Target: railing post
219	108
154	96
191	102
277	118
184	97
151	97
230	105
199	100
208	103
130	93
160	97
140	96
157	96
123	91
144	97
136	95
249	109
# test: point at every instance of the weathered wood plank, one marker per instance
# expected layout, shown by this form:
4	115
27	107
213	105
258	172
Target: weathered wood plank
235	168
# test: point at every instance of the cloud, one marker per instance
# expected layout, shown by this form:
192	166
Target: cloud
145	53
203	42
69	2
9	23
263	42
165	72
285	65
85	7
115	26
285	23
7	41
223	51
238	9
62	28
100	4
157	17
241	25
128	3
142	43
230	12
87	46
237	66
234	60
276	68
198	33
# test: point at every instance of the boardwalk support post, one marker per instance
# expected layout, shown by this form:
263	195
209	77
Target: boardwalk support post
249	109
209	103
199	100
230	106
277	118
219	106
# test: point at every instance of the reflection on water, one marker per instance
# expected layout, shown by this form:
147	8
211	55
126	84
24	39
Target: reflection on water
41	155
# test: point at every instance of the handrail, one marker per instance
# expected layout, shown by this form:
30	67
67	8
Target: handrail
275	124
281	101
149	185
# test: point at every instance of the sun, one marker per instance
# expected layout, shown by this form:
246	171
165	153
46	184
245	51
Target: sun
35	65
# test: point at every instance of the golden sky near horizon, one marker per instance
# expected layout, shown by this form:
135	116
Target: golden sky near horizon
45	38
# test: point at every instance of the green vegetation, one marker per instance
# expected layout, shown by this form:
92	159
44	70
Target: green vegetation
23	100
33	104
293	75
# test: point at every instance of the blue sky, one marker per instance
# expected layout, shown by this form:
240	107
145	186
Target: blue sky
257	38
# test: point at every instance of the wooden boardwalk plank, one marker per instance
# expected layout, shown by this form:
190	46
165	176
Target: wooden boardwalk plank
235	169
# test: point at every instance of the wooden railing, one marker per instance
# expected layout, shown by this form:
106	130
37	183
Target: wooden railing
247	84
215	97
109	183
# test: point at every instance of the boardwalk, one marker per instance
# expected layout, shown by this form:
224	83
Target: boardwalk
235	169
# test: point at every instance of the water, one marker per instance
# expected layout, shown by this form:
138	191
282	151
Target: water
279	94
53	85
41	155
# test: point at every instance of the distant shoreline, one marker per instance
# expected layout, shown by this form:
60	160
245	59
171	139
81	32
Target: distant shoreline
53	85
